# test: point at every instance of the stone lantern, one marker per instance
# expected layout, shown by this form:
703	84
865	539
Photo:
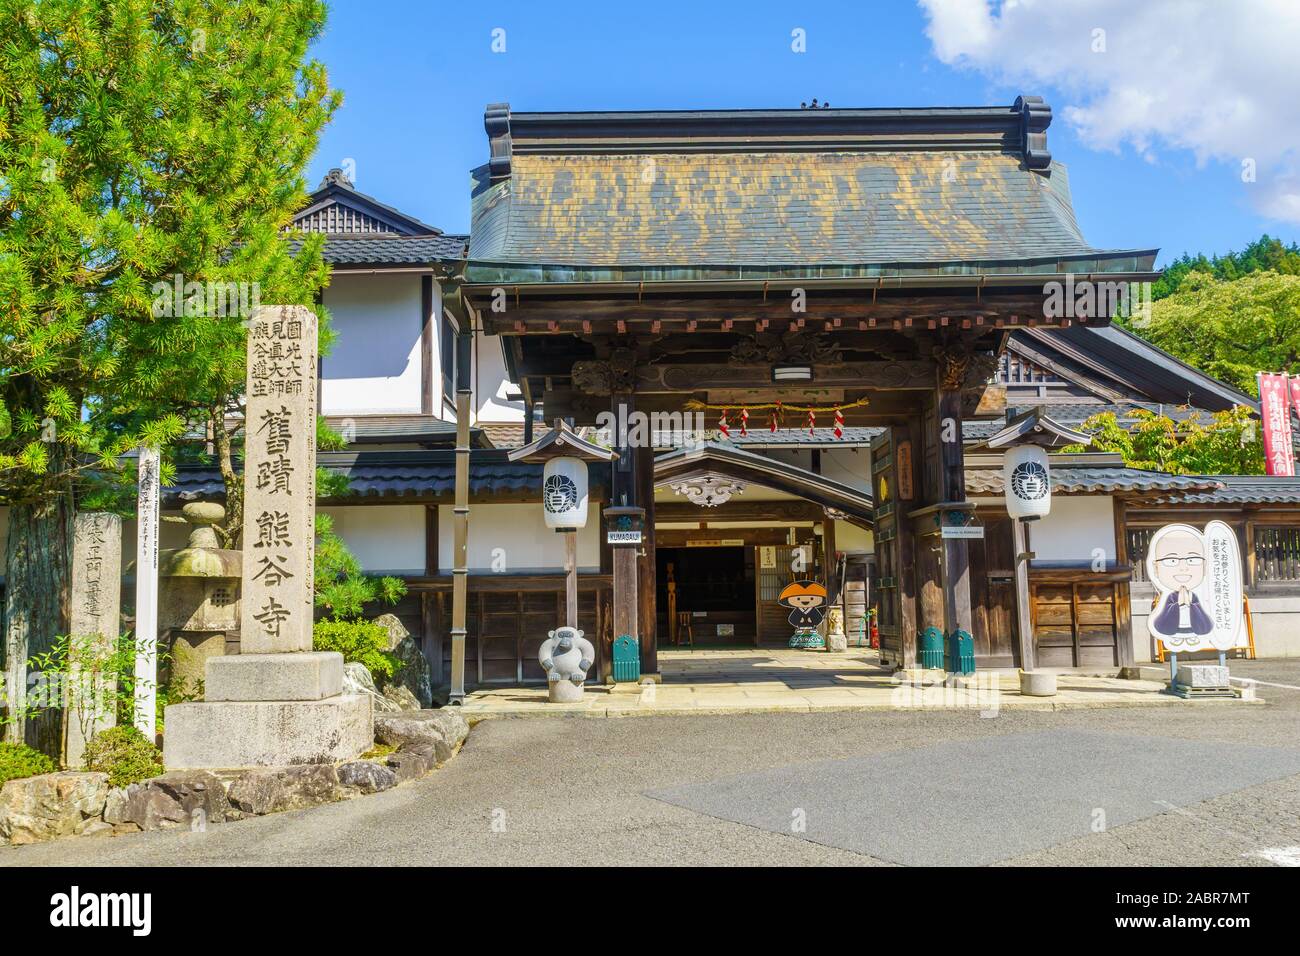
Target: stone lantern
198	601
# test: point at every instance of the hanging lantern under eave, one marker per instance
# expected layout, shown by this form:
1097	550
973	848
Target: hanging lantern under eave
564	493
1027	478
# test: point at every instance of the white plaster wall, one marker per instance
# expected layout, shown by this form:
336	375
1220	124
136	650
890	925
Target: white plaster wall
387	538
374	365
520	531
849	537
1276	621
848	466
1076	526
490	383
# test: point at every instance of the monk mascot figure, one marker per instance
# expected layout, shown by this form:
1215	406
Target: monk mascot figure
566	656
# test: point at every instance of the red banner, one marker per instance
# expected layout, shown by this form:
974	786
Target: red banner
1275	409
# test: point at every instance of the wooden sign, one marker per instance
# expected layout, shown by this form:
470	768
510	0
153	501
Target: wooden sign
903	455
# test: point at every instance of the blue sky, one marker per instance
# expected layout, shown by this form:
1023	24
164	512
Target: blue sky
417	74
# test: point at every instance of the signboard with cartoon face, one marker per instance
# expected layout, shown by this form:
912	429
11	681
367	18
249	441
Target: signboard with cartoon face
1197	576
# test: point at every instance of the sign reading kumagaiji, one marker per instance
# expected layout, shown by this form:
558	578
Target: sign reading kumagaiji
279	481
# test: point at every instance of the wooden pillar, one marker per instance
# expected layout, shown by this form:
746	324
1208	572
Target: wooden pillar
647	582
905	573
1123	599
952	490
626	611
1024	620
571	579
460	542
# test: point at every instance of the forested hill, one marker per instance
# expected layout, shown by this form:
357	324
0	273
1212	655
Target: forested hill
1262	255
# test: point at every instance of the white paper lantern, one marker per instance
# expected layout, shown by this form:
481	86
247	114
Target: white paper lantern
564	493
1028	480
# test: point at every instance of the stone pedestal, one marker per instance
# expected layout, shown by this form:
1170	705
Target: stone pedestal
311	675
1202	676
233	734
1037	684
564	692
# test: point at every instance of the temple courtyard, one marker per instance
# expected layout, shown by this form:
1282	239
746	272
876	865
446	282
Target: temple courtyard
1184	783
755	680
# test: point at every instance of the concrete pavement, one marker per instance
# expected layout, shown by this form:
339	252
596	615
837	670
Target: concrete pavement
505	800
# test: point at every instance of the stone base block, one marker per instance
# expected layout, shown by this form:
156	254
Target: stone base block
837	643
1202	675
309	675
564	692
231	734
1037	684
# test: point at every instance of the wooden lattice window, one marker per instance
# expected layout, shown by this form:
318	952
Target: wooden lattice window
1277	554
1139	539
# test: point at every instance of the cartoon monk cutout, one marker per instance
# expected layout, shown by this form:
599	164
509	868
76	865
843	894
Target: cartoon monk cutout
807	603
1197	576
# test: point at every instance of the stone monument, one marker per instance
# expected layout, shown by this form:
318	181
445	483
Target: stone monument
95	624
566	656
277	702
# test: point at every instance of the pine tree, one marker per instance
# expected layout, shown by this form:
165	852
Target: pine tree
146	146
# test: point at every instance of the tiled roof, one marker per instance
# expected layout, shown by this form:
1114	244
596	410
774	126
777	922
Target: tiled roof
381	249
504	435
779	209
392	428
1248	489
1095	480
1077	413
413	474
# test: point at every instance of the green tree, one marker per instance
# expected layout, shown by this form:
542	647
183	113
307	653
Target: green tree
1223	443
341	587
1230	329
140	141
1265	254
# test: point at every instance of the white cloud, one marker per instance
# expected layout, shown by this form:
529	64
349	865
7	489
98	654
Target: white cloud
1214	77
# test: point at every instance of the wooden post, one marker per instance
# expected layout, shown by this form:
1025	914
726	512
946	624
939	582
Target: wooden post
908	622
1024	620
571	579
460	541
1122	597
952	489
647	572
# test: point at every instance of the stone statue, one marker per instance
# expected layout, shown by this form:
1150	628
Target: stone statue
565	655
836	639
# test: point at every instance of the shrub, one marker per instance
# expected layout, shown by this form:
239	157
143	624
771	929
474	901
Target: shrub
363	642
19	760
123	754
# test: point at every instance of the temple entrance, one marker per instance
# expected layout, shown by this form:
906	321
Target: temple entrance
706	595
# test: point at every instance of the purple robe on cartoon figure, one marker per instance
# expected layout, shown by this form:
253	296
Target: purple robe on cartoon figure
1169	620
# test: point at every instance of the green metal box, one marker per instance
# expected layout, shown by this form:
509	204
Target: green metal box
627	659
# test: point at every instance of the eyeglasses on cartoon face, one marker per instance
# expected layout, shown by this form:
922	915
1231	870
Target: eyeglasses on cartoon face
1173	561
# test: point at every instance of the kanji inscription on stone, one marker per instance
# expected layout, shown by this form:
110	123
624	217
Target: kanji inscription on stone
279	481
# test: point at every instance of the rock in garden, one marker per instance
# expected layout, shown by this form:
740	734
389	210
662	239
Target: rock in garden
413	670
270	790
367	776
50	805
444	728
399	698
168	802
357	679
413	761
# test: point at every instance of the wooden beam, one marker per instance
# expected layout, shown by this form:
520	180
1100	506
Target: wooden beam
647	583
428	329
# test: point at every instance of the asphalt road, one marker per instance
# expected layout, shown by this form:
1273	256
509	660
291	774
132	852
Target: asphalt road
1200	784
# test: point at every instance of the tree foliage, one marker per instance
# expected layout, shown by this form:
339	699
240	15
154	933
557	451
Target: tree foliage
1265	254
1223	443
146	146
1230	329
